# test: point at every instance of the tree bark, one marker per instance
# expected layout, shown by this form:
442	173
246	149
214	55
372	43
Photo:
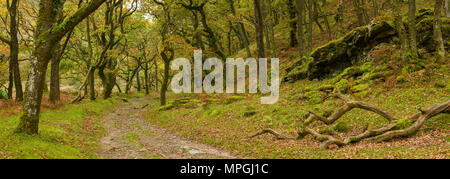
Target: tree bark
301	39
412	26
396	8
447	8
91	83
14	49
310	28
440	50
340	19
241	30
292	24
259	28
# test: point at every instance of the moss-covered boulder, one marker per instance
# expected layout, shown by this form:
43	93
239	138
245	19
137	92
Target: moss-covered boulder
349	50
352	49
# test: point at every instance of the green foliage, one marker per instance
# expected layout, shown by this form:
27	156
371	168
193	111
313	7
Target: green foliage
3	94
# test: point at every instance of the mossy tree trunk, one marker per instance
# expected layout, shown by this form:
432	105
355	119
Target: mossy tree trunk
259	28
447	8
440	50
396	8
292	24
310	27
412	26
301	38
48	33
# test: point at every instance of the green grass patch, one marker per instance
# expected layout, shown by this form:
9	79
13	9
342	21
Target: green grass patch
71	131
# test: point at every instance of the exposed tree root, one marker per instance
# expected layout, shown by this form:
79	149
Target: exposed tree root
387	132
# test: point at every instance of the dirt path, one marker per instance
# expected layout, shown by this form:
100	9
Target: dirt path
129	135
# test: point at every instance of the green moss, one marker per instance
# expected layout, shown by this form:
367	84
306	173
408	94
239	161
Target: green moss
343	85
351	72
366	67
312	97
326	87
360	88
166	107
403	123
341	126
447	88
400	79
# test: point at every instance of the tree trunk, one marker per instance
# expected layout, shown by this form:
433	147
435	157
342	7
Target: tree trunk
359	12
54	76
340	19
14	50
241	30
310	28
91	83
440	50
292	24
138	81
301	39
44	44
165	82
447	8
375	8
412	26
11	79
396	8
156	76
146	79
327	24
259	28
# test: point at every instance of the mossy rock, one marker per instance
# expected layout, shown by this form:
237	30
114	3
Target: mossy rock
350	50
351	72
359	88
343	85
166	107
341	126
327	87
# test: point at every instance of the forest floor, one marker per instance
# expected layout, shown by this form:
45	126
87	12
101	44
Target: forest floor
130	135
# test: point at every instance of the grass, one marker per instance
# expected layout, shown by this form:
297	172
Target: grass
70	131
220	121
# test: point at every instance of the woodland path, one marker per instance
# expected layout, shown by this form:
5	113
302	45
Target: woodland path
130	135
